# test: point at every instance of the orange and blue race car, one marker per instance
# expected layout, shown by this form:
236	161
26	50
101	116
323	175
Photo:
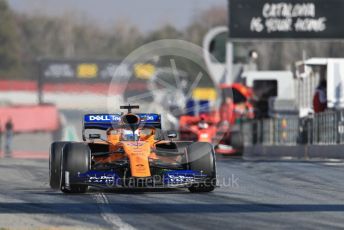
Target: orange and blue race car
132	154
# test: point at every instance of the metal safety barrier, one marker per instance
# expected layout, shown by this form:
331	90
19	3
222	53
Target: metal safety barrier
325	128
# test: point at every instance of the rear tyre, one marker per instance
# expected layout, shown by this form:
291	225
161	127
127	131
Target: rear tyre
201	157
76	159
55	164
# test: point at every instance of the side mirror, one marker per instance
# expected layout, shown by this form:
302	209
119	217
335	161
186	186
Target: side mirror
172	134
94	136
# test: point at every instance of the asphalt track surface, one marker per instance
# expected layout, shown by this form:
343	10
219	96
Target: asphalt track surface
252	195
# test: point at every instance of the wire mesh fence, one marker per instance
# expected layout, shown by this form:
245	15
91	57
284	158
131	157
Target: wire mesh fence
325	128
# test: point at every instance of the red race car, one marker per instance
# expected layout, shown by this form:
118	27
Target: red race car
220	127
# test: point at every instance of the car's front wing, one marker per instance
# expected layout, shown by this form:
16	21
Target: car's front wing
169	179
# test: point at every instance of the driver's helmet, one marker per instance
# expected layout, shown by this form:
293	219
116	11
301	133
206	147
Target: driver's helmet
128	135
203	124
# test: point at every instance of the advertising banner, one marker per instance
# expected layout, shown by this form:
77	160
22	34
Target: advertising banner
83	71
286	19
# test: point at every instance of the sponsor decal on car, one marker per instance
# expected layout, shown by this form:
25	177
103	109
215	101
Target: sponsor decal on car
103	118
182	177
179	179
107	118
100	177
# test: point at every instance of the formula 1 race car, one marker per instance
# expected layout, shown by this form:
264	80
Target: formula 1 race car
134	154
221	126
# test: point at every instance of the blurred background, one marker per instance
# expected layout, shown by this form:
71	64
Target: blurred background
261	80
58	60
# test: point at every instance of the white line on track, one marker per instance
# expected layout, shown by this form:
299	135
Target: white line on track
108	216
334	163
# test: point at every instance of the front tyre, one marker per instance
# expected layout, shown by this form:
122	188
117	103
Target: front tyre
55	156
76	159
201	157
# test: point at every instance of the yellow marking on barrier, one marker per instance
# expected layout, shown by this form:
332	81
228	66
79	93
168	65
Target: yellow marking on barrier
204	94
144	71
87	70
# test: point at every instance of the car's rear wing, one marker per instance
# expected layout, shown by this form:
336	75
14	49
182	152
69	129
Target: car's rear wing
105	121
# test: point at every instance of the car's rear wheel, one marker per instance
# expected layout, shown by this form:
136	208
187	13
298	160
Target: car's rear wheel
201	157
76	159
55	163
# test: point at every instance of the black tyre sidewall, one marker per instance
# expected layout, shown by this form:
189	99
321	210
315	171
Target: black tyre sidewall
76	159
201	157
182	145
55	155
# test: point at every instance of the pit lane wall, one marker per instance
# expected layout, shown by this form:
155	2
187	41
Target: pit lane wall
64	95
19	103
320	136
31	118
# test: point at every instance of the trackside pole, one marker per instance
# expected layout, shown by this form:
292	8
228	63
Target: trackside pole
39	81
